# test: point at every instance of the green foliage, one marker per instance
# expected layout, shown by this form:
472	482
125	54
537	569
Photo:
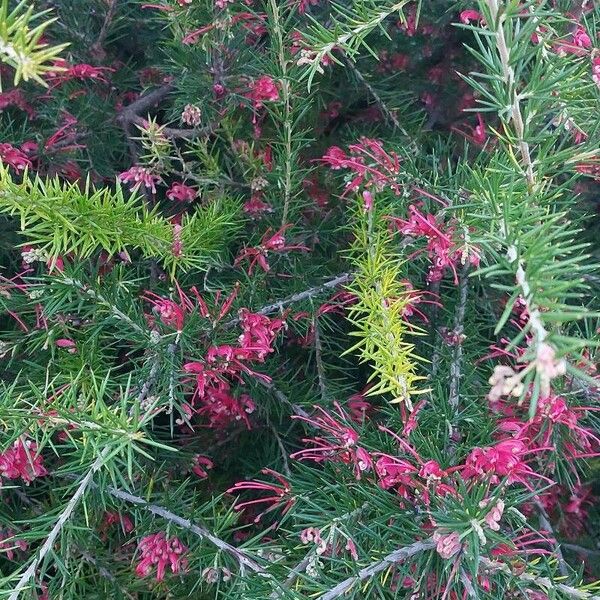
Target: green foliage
384	335
62	219
21	46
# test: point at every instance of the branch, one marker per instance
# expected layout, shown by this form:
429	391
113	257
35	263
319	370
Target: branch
110	13
544	583
319	360
459	321
545	523
394	557
86	482
143	103
298	297
512	255
174	133
242	558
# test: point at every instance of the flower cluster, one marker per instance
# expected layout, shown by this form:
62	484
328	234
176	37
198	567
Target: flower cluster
22	461
158	551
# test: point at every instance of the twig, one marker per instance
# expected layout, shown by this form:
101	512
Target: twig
117	313
128	115
103	571
468	584
299	296
385	111
581	549
174	133
298	410
534	315
319	360
110	13
286	464
143	103
286	98
86	482
545	523
544	583
242	558
394	557
459	322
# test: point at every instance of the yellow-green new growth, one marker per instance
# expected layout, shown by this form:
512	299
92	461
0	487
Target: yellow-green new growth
20	45
378	315
62	219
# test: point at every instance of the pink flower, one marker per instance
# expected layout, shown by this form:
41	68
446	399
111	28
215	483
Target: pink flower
68	344
466	16
394	471
263	89
16	98
596	70
447	544
171	313
81	71
411	422
9	543
258	334
280	493
13	157
115	518
493	517
581	38
367	201
201	465
159	551
256	205
21	460
181	192
370	163
310	535
335	157
270	242
431	470
140	176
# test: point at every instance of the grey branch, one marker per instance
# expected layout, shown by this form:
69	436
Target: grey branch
86	482
393	558
242	558
298	297
544	583
545	523
459	320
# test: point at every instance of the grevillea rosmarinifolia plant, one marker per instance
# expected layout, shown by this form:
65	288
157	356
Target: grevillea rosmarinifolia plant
299	299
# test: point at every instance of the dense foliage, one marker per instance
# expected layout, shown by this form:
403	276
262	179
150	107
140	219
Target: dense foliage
299	299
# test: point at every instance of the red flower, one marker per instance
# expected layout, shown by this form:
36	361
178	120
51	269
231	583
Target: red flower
140	176
201	465
115	518
270	242
466	16
14	157
21	460
181	192
159	551
68	344
263	89
81	71
280	493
